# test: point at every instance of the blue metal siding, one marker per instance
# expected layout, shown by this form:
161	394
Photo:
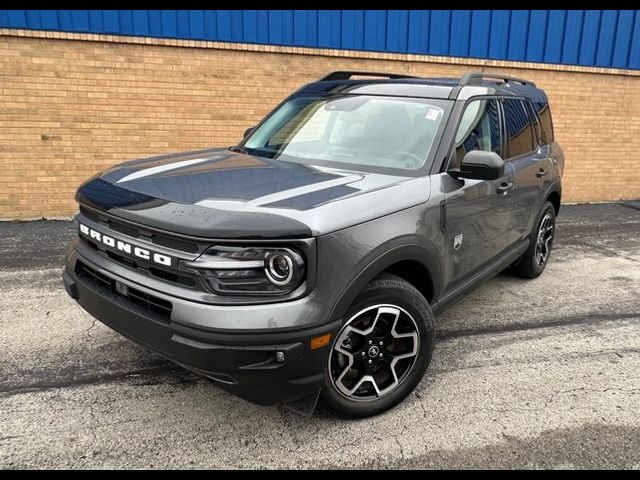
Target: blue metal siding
606	38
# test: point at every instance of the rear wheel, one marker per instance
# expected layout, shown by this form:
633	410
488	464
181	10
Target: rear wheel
382	350
535	259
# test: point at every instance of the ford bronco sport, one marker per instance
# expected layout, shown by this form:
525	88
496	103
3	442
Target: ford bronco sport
308	261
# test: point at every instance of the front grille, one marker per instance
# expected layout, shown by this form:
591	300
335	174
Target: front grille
135	299
169	276
135	232
174	243
187	280
90	215
174	274
124	229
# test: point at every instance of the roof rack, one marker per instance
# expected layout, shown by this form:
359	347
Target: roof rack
346	75
475	78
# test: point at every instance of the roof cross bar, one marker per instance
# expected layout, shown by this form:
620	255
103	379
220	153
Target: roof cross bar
346	75
475	78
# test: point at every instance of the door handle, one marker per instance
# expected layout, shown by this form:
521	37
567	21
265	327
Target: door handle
541	173
504	188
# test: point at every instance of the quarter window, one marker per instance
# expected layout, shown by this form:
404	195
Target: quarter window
546	126
479	129
535	121
520	133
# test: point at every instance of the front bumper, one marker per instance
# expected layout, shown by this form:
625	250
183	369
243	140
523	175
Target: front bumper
243	363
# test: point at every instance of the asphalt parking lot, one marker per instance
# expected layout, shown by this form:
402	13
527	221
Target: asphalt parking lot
539	374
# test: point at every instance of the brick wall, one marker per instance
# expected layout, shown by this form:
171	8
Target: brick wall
73	104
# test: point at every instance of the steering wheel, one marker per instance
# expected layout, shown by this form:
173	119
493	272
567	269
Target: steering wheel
410	159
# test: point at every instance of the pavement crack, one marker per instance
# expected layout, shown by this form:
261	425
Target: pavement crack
424	409
551	399
400	446
90	318
569	320
45	385
90	450
576	356
397	440
91	327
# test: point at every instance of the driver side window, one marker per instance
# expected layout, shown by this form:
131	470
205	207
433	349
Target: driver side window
479	129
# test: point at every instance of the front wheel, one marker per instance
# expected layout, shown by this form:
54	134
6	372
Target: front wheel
535	259
382	350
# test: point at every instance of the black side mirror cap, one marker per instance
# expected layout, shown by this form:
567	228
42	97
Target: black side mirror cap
248	132
479	165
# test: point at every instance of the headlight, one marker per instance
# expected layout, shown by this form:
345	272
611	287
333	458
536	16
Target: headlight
251	270
279	269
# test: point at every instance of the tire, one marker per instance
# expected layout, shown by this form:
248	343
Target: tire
401	323
529	265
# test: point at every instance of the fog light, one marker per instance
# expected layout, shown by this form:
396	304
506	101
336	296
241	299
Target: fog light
279	357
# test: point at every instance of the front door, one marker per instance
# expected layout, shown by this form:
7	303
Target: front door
479	213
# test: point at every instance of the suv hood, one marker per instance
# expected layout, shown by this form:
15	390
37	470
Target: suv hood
222	194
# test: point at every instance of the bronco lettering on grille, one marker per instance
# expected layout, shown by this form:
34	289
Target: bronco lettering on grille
126	247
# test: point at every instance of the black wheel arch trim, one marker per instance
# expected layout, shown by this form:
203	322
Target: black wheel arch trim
555	187
391	253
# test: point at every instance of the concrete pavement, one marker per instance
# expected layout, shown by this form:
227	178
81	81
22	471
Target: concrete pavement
542	373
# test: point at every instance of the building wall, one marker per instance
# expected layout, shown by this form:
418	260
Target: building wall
604	38
74	104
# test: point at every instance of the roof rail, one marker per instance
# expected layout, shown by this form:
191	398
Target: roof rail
475	78
346	75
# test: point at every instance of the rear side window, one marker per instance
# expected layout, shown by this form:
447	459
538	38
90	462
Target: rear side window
520	129
546	125
479	129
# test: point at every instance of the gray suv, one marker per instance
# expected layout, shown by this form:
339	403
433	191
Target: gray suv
309	260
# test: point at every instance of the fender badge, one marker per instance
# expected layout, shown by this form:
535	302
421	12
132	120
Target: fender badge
457	242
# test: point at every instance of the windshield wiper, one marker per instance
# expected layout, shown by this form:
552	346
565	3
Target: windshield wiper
238	149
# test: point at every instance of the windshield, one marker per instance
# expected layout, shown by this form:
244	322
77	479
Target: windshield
359	130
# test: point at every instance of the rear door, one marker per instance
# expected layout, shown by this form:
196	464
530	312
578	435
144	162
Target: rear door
479	213
529	161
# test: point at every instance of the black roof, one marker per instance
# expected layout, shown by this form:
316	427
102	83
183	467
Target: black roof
408	86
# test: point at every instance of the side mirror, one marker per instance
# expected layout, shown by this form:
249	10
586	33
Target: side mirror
248	132
479	165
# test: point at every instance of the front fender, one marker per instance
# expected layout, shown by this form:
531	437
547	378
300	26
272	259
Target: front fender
383	257
349	259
